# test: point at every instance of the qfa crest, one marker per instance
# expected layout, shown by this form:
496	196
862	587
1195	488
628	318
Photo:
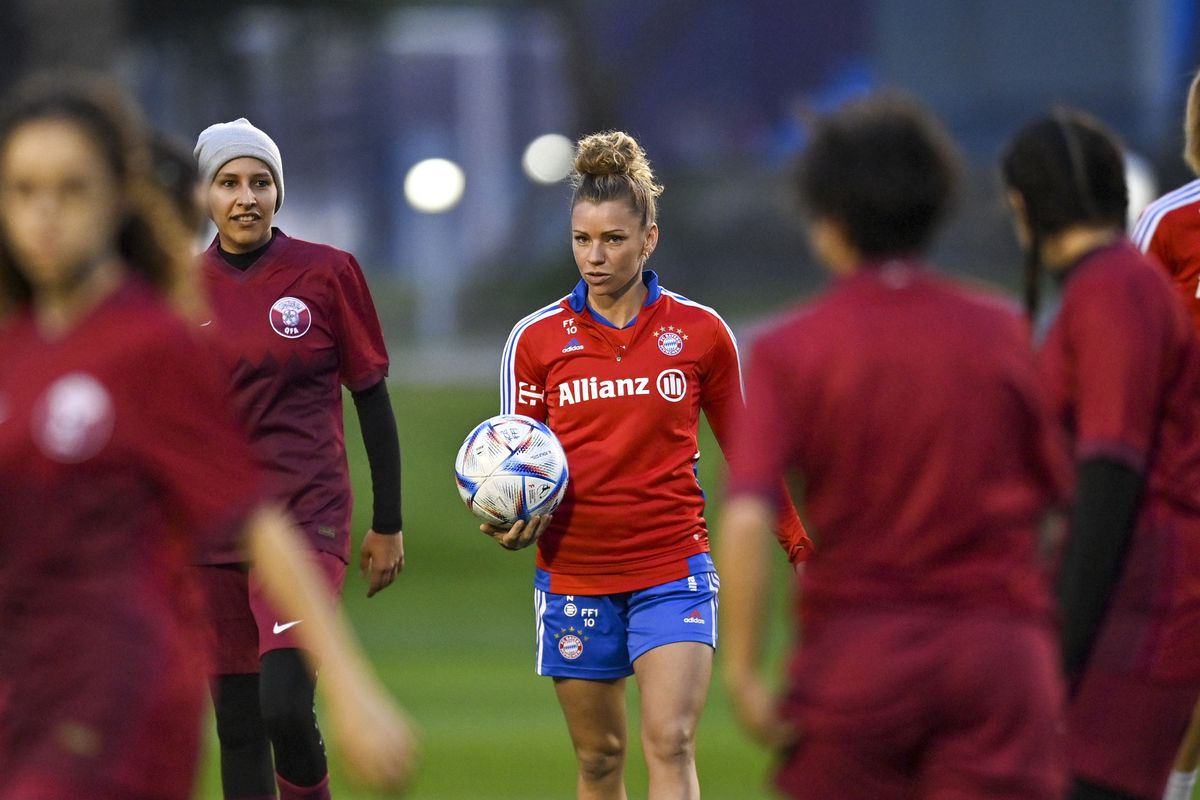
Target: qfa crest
670	340
290	318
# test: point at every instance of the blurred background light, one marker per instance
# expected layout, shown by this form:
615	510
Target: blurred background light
434	185
548	158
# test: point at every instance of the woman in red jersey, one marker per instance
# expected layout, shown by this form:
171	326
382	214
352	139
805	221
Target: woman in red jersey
1169	228
620	370
117	464
1122	368
292	322
908	407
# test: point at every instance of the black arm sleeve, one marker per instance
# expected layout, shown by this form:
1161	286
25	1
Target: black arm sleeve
1106	504
378	424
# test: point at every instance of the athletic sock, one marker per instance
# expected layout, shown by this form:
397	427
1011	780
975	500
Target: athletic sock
290	791
1179	785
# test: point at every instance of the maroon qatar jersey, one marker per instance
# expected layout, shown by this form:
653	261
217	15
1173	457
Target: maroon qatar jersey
119	460
910	409
1122	365
291	330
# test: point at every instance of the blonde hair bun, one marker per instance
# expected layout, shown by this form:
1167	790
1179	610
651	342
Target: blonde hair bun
612	164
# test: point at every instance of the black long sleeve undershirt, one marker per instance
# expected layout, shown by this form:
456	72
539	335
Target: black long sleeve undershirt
378	423
1108	494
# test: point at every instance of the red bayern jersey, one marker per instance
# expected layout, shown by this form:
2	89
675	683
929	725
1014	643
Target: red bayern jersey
1122	365
910	409
119	461
1169	230
291	330
626	403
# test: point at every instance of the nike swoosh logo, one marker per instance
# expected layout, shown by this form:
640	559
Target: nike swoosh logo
206	323
281	628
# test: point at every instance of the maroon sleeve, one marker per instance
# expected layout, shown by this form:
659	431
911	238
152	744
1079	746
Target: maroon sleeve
722	401
765	439
196	448
1117	336
363	353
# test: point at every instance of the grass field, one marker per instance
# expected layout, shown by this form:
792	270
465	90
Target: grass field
453	638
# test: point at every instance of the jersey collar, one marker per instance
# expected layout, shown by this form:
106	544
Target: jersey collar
578	296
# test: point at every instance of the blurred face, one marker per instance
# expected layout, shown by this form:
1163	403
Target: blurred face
611	246
241	202
60	204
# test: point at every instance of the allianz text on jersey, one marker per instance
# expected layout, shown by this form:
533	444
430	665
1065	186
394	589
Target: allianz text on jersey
671	385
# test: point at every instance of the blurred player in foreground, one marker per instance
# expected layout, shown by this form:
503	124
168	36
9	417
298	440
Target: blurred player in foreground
1169	231
292	323
908	408
117	462
620	370
1121	365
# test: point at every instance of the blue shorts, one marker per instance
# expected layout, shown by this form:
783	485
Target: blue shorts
599	637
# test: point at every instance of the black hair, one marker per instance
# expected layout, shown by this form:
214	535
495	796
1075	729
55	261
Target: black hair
1069	171
177	175
884	169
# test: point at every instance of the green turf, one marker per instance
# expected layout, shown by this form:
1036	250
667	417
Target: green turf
453	638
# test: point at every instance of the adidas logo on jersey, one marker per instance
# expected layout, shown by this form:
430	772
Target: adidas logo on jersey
572	346
695	618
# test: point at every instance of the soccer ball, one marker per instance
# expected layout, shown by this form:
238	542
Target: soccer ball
509	468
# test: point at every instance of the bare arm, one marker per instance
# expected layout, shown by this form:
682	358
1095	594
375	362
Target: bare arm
744	565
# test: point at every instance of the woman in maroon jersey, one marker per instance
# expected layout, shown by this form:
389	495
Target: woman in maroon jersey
293	322
1122	368
908	408
117	463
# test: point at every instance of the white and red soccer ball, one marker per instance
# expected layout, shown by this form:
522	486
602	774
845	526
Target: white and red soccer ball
509	468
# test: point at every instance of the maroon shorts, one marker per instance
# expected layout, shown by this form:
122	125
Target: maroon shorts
1123	730
122	726
242	622
915	704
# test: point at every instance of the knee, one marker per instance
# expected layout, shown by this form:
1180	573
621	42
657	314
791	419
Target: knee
239	726
286	694
284	714
670	743
601	759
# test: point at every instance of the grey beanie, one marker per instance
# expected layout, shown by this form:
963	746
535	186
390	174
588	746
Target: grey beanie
219	144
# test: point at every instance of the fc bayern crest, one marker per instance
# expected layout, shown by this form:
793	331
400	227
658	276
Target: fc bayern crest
290	318
570	647
670	340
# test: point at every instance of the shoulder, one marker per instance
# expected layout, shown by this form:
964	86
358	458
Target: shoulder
690	308
980	302
1118	281
1154	215
544	317
315	255
700	318
155	341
